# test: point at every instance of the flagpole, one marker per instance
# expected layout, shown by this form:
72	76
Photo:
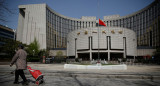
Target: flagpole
98	28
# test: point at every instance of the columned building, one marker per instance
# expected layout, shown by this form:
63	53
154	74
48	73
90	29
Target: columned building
109	42
51	28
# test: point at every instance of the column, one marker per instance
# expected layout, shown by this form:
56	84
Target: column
108	45
108	56
90	56
76	56
124	47
134	58
90	45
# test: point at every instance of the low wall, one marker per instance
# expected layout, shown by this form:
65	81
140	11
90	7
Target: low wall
110	67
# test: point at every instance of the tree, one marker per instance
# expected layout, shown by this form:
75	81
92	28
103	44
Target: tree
10	46
42	52
157	56
33	48
157	52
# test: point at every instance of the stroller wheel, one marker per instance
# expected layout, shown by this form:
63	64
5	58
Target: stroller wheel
40	81
37	82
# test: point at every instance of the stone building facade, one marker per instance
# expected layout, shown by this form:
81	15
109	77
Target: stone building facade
51	28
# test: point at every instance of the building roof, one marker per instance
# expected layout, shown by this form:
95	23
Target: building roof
6	28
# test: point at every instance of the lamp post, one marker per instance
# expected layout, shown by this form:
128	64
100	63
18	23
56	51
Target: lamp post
33	52
14	30
14	37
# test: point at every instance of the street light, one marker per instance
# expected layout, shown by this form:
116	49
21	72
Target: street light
14	30
33	52
14	38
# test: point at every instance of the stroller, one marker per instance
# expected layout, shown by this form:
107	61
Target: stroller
37	75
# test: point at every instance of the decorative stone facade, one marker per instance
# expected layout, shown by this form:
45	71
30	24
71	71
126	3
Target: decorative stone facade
102	40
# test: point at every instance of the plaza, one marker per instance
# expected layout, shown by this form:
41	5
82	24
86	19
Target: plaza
55	74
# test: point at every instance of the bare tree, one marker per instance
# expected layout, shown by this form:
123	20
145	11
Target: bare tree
4	10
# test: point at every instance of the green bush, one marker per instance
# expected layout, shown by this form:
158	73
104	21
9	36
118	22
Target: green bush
124	59
33	59
59	59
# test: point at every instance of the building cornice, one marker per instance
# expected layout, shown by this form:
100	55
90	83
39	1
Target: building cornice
6	28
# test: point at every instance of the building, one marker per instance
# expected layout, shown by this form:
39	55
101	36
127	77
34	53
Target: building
110	42
6	33
51	28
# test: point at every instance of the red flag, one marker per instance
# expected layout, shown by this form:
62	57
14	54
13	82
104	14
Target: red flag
101	22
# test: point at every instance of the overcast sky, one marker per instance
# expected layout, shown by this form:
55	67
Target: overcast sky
79	8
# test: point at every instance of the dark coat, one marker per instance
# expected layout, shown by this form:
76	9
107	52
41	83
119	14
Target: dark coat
20	59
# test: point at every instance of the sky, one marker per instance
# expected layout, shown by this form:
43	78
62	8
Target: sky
78	8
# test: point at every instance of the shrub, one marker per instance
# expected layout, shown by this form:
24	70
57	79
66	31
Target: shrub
33	59
59	59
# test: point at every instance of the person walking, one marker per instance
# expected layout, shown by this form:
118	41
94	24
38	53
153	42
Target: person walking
21	64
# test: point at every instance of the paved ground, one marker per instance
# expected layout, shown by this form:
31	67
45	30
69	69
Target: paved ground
56	75
7	80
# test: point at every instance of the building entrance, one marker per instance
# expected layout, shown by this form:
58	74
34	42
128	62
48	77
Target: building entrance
102	56
115	56
84	56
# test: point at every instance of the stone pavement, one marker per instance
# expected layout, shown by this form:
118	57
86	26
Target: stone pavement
57	74
7	80
136	71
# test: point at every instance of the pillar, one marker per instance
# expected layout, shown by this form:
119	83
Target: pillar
108	44
90	45
90	56
108	56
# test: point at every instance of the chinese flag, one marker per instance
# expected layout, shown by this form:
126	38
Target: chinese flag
101	22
